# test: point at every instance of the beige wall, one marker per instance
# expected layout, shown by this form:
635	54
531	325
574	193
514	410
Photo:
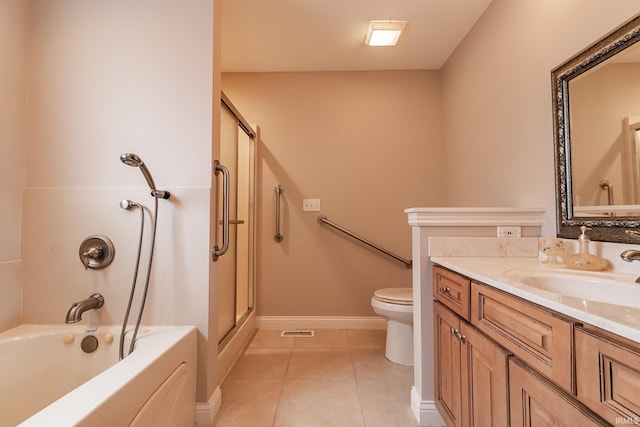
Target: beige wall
497	127
368	145
13	61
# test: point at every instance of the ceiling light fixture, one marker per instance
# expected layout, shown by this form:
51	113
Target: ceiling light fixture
384	33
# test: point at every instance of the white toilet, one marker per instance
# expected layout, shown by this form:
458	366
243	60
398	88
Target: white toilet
396	305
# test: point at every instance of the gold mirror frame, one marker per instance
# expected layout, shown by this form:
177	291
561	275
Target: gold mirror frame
611	229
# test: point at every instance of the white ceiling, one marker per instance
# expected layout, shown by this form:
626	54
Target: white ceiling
328	35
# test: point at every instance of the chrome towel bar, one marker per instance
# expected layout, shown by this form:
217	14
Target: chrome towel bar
278	236
323	220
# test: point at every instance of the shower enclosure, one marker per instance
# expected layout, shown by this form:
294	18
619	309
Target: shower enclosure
236	214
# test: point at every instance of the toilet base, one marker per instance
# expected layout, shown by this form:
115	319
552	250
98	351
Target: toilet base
399	347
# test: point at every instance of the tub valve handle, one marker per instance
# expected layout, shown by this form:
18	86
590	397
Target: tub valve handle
93	253
96	252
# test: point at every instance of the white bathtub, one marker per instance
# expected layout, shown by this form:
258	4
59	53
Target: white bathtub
46	379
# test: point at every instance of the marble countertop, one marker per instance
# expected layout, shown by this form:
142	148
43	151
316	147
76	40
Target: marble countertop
621	320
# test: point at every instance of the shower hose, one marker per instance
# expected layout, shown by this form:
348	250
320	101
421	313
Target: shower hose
135	279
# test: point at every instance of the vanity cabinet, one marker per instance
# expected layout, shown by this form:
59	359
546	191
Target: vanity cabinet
511	363
608	376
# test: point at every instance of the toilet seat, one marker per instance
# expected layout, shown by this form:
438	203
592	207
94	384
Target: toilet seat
399	296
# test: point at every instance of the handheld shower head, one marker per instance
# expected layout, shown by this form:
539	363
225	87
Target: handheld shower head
131	159
134	160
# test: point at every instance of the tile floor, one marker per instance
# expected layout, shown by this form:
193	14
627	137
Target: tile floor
338	378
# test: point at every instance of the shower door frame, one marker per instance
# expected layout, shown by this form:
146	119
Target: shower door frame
251	224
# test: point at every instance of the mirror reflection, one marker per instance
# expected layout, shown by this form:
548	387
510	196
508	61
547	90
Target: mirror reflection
604	107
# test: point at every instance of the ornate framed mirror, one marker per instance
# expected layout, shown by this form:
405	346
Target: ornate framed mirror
596	106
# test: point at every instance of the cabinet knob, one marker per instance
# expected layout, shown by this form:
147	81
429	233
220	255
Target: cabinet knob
445	290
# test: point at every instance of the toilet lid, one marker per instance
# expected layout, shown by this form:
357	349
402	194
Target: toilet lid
402	296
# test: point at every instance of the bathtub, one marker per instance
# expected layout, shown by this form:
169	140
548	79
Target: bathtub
46	379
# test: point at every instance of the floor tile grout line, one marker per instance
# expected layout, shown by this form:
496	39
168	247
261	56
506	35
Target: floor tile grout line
355	376
284	382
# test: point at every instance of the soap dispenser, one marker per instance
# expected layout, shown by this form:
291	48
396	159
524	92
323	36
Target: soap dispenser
583	260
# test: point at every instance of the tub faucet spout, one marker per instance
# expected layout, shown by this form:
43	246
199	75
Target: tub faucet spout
74	314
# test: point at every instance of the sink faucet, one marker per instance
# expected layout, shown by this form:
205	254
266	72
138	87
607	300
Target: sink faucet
74	314
631	255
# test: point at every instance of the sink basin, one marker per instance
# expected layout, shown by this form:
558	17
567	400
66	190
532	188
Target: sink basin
605	288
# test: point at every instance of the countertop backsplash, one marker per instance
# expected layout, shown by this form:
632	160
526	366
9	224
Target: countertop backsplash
527	247
507	247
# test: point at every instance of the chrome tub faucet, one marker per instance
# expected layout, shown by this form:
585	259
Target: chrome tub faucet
74	314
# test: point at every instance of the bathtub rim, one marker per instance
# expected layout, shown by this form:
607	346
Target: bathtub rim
78	405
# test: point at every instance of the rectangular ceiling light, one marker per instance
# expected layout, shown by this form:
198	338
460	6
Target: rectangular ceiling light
384	33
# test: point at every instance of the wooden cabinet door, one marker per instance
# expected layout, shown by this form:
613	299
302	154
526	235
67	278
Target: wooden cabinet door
447	365
484	380
608	377
536	402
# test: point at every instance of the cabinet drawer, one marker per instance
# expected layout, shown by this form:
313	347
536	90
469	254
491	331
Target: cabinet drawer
539	338
452	290
608	377
536	402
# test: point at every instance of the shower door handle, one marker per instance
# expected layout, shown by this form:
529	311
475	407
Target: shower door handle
217	252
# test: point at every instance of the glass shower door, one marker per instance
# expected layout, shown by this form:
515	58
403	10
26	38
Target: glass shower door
235	268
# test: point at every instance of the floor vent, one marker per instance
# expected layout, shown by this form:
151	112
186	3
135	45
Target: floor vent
306	333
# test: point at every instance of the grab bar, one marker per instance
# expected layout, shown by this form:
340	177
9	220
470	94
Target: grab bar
323	220
217	252
606	185
278	236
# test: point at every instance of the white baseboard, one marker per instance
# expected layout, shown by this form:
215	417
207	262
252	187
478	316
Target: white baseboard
320	322
206	412
425	411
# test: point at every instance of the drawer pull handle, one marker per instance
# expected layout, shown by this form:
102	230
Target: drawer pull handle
458	335
445	290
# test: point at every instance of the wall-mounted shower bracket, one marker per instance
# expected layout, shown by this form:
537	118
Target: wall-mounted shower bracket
96	252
